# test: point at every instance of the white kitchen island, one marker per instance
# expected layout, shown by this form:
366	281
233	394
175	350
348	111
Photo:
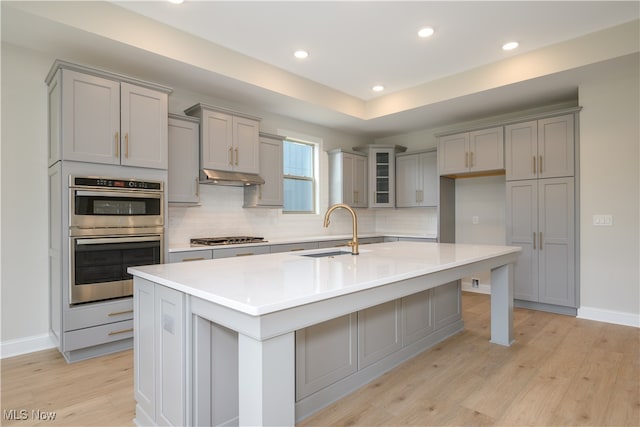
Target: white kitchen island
215	340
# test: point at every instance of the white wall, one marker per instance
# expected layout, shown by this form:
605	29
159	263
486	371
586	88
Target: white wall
610	184
24	227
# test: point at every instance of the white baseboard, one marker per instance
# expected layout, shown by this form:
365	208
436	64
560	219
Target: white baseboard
609	316
25	345
481	289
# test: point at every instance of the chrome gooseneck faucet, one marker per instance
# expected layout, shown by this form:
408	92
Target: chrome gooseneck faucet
354	241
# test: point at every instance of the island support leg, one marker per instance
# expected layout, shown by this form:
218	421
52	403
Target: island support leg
502	305
266	381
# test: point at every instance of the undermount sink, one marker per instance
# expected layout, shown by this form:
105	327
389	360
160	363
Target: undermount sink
327	254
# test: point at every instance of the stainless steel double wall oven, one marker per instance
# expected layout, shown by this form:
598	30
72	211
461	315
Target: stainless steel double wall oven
113	224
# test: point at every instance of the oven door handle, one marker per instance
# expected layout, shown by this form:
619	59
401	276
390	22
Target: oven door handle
132	194
106	240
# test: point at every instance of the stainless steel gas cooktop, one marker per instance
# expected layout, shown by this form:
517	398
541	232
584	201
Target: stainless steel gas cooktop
234	240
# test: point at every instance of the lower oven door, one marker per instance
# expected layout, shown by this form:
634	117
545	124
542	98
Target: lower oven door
99	264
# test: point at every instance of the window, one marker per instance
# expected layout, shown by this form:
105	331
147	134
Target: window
299	177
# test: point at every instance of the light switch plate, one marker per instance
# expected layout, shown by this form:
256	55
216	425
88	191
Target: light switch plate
603	220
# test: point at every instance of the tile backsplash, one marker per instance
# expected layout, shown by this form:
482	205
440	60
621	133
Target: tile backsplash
221	214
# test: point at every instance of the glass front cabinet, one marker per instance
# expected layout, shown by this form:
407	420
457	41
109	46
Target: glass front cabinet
382	172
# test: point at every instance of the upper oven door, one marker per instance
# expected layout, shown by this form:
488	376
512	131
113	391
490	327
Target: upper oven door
115	208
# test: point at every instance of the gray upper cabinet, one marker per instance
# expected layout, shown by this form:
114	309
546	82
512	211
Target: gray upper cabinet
100	119
416	180
381	170
229	141
540	148
540	219
184	144
348	178
269	194
471	152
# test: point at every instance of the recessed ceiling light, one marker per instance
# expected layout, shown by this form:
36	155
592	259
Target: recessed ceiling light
510	46
301	54
377	88
426	32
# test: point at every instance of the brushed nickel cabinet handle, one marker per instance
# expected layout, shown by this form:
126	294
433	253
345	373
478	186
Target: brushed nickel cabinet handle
296	249
230	156
534	240
192	259
124	331
126	145
117	144
245	254
541	240
533	166
119	313
471	159
237	157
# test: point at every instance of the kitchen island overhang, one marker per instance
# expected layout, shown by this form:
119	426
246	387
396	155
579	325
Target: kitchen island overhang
266	298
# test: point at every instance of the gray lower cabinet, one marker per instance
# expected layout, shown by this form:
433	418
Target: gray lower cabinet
159	321
379	332
185	256
243	251
293	247
325	353
417	316
540	219
447	304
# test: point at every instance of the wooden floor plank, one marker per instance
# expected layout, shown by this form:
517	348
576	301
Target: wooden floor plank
561	371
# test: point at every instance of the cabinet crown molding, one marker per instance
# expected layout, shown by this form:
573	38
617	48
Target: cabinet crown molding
60	64
201	106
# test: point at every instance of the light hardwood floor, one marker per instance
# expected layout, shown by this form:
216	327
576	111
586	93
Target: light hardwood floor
561	371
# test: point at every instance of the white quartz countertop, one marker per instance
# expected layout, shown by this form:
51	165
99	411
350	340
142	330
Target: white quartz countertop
262	284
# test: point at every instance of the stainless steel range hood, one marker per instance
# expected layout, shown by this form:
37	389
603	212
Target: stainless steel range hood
234	179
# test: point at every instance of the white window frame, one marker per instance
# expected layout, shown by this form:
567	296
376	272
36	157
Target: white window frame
316	143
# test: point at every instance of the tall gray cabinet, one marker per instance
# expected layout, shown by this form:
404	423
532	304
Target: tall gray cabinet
541	217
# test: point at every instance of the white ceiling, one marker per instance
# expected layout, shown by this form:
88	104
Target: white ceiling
242	52
354	45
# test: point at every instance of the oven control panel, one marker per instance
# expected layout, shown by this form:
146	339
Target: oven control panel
130	184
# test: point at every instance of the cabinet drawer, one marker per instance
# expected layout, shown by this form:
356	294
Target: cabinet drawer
98	314
368	240
244	251
191	255
89	337
333	243
292	247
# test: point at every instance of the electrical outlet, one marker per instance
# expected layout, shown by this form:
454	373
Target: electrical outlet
475	283
603	220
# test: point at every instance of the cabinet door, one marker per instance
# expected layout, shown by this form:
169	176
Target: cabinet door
170	357
522	229
216	139
188	256
555	147
521	151
348	171
90	118
417	317
184	161
429	179
359	179
486	150
270	193
447	304
453	156
246	145
407	171
556	245
382	169
325	353
379	332
144	378
143	127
